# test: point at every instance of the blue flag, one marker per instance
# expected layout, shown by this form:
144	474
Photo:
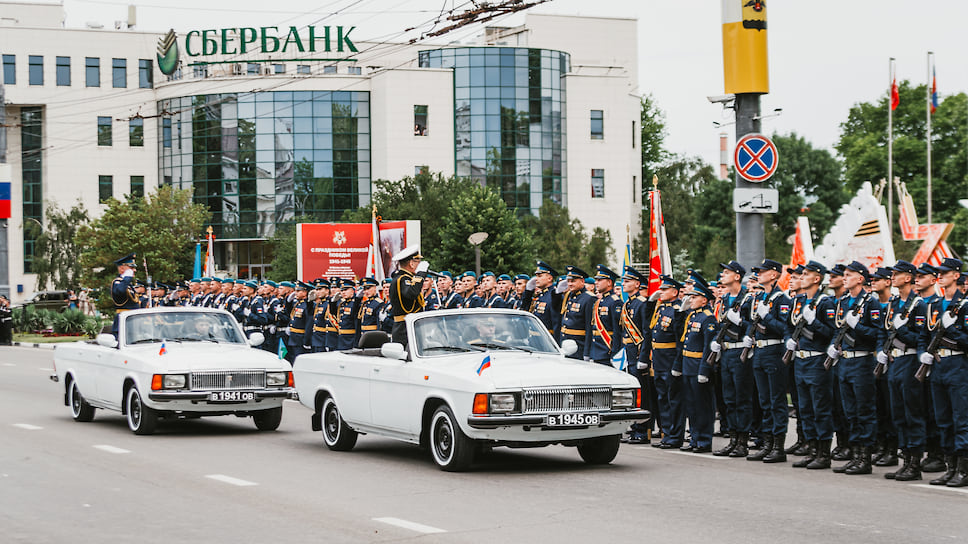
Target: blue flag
282	351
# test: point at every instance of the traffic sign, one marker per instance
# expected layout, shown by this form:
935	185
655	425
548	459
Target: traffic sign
756	200
755	157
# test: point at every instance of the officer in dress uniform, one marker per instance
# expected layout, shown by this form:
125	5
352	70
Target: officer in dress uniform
542	297
737	376
298	320
255	318
369	312
814	314
406	290
634	321
122	290
948	317
320	316
693	370
273	302
665	328
606	318
386	316
768	325
576	313
347	309
141	291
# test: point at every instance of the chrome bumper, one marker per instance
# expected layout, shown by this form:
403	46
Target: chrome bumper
538	420
167	396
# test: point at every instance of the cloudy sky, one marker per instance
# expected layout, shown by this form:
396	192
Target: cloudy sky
824	56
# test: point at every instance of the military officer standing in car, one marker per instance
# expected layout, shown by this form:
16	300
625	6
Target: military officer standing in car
406	289
576	312
122	290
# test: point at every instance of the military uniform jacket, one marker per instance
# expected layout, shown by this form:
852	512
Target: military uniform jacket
606	328
700	330
273	308
297	323
494	301
369	314
741	302
665	328
954	337
472	301
814	336
774	325
513	301
258	317
576	320
433	301
123	295
238	308
386	317
546	305
320	325
905	337
865	335
453	300
634	325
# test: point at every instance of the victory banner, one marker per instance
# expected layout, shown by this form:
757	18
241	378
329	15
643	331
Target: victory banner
326	250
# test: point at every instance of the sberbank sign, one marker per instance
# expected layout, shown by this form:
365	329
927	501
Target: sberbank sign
198	44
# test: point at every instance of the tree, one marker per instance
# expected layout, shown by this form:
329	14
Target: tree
481	209
56	252
561	240
653	133
161	229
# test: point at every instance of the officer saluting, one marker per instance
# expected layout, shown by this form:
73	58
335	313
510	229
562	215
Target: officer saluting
634	321
122	289
405	290
606	341
661	352
576	312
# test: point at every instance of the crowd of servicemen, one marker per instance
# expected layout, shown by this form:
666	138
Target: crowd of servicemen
874	360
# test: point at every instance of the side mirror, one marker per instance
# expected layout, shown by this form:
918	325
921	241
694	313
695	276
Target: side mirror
569	347
107	340
393	350
256	339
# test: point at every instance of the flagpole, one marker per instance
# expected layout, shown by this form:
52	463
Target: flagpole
927	108
890	144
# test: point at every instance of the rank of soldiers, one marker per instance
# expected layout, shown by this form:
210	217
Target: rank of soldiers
875	362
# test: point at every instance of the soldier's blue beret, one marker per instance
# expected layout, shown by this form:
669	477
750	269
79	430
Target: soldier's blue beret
386	281
524	277
504	277
230	280
218	280
468	273
287	284
542	267
446	273
251	284
488	273
272	284
195	280
575	272
205	278
590	281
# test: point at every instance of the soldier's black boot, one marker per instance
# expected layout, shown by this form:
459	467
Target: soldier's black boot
854	453
822	460
741	449
952	463
863	466
934	461
777	455
913	472
960	479
906	465
800	445
764	451
842	452
810	456
728	448
889	457
878	451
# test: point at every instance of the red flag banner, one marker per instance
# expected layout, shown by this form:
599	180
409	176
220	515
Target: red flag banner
659	261
895	97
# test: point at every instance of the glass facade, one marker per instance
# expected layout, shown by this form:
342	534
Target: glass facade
509	115
31	159
260	159
136	132
137	186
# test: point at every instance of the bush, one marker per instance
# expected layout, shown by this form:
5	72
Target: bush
29	319
70	321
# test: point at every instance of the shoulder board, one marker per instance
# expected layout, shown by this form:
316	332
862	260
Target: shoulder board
675	306
775	295
707	311
641	298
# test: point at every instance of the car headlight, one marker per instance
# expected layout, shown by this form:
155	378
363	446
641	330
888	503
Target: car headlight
502	403
278	379
169	381
625	398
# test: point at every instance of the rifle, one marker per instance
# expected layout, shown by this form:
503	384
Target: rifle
842	332
798	330
933	346
891	337
745	355
714	357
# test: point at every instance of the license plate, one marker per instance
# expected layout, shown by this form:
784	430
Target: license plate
572	420
230	396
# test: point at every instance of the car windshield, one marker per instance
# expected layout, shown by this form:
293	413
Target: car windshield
182	327
479	331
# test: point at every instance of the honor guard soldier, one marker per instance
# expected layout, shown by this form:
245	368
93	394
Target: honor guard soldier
386	316
858	318
811	326
182	290
576	312
947	320
768	323
347	309
320	316
254	316
489	286
737	376
272	309
606	316
505	289
369	312
195	290
633	322
885	452
239	304
206	294
406	290
286	297
122	290
298	320
141	290
450	298
468	283
693	369
665	327
432	299
542	297
926	284
520	282
224	289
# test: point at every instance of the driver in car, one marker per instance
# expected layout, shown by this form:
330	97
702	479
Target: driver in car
486	331
202	330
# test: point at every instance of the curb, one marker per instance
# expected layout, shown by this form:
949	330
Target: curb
45	345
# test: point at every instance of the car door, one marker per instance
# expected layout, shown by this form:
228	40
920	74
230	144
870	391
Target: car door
392	395
351	387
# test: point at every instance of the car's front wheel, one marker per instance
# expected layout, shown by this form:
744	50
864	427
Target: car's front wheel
80	409
451	449
141	418
337	435
268	420
601	450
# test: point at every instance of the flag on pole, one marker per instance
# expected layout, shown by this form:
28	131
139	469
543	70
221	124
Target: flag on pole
895	96
163	350
281	351
210	254
659	261
934	90
374	258
197	271
619	360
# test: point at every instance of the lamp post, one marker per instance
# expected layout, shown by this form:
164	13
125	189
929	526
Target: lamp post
476	240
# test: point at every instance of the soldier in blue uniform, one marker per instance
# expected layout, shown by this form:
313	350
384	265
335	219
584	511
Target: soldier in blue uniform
576	312
948	317
449	297
320	313
386	316
270	289
467	288
885	453
347	308
517	291
665	328
925	283
693	369
122	290
239	303
606	319
768	324
489	286
542	297
255	317
505	288
283	293
298	321
369	312
634	322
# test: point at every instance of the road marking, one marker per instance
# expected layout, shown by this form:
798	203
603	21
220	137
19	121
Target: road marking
27	426
697	455
9	364
46	369
230	480
946	488
418	527
111	449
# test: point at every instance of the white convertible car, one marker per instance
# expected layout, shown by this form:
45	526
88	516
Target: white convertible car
174	363
470	379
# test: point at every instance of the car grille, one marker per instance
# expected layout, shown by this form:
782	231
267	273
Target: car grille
566	399
229	379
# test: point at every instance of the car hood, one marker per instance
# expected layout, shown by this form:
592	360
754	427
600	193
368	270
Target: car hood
510	370
206	356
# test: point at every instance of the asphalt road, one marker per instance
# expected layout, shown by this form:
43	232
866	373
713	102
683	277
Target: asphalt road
219	480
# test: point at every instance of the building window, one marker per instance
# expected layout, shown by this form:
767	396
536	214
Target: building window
136	132
36	65
633	134
119	73
105	188
422	169
279	68
419	120
634	191
252	69
598	122
354	70
166	132
31	157
598	183
303	69
200	71
103	131
329	69
92	72
137	186
146	74
9	69
63	71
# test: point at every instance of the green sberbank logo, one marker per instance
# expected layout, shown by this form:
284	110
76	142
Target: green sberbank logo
168	53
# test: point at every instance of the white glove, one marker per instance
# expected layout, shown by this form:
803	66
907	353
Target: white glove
833	352
899	321
532	283
247	312
791	344
272	329
702	379
423	266
747	341
676	373
882	358
586	359
810	314
852	319
655	296
561	287
129	273
762	309
642	366
734	317
948	320
926	359
715	347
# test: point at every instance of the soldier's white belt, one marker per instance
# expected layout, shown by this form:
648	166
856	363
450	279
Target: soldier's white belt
764	343
902	352
944	352
733	345
806	354
854	354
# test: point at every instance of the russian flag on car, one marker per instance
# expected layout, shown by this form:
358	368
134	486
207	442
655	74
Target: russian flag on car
486	363
163	350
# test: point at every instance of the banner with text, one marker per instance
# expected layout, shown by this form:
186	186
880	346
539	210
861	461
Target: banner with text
327	250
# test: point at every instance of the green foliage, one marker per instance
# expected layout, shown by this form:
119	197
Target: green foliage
481	209
70	322
56	252
561	240
652	134
30	319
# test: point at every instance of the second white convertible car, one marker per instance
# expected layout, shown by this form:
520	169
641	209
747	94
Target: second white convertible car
469	379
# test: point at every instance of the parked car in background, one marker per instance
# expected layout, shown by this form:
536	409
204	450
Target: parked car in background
48	300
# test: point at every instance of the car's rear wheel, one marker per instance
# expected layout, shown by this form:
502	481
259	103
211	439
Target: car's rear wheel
450	447
141	418
601	450
337	435
80	409
268	420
